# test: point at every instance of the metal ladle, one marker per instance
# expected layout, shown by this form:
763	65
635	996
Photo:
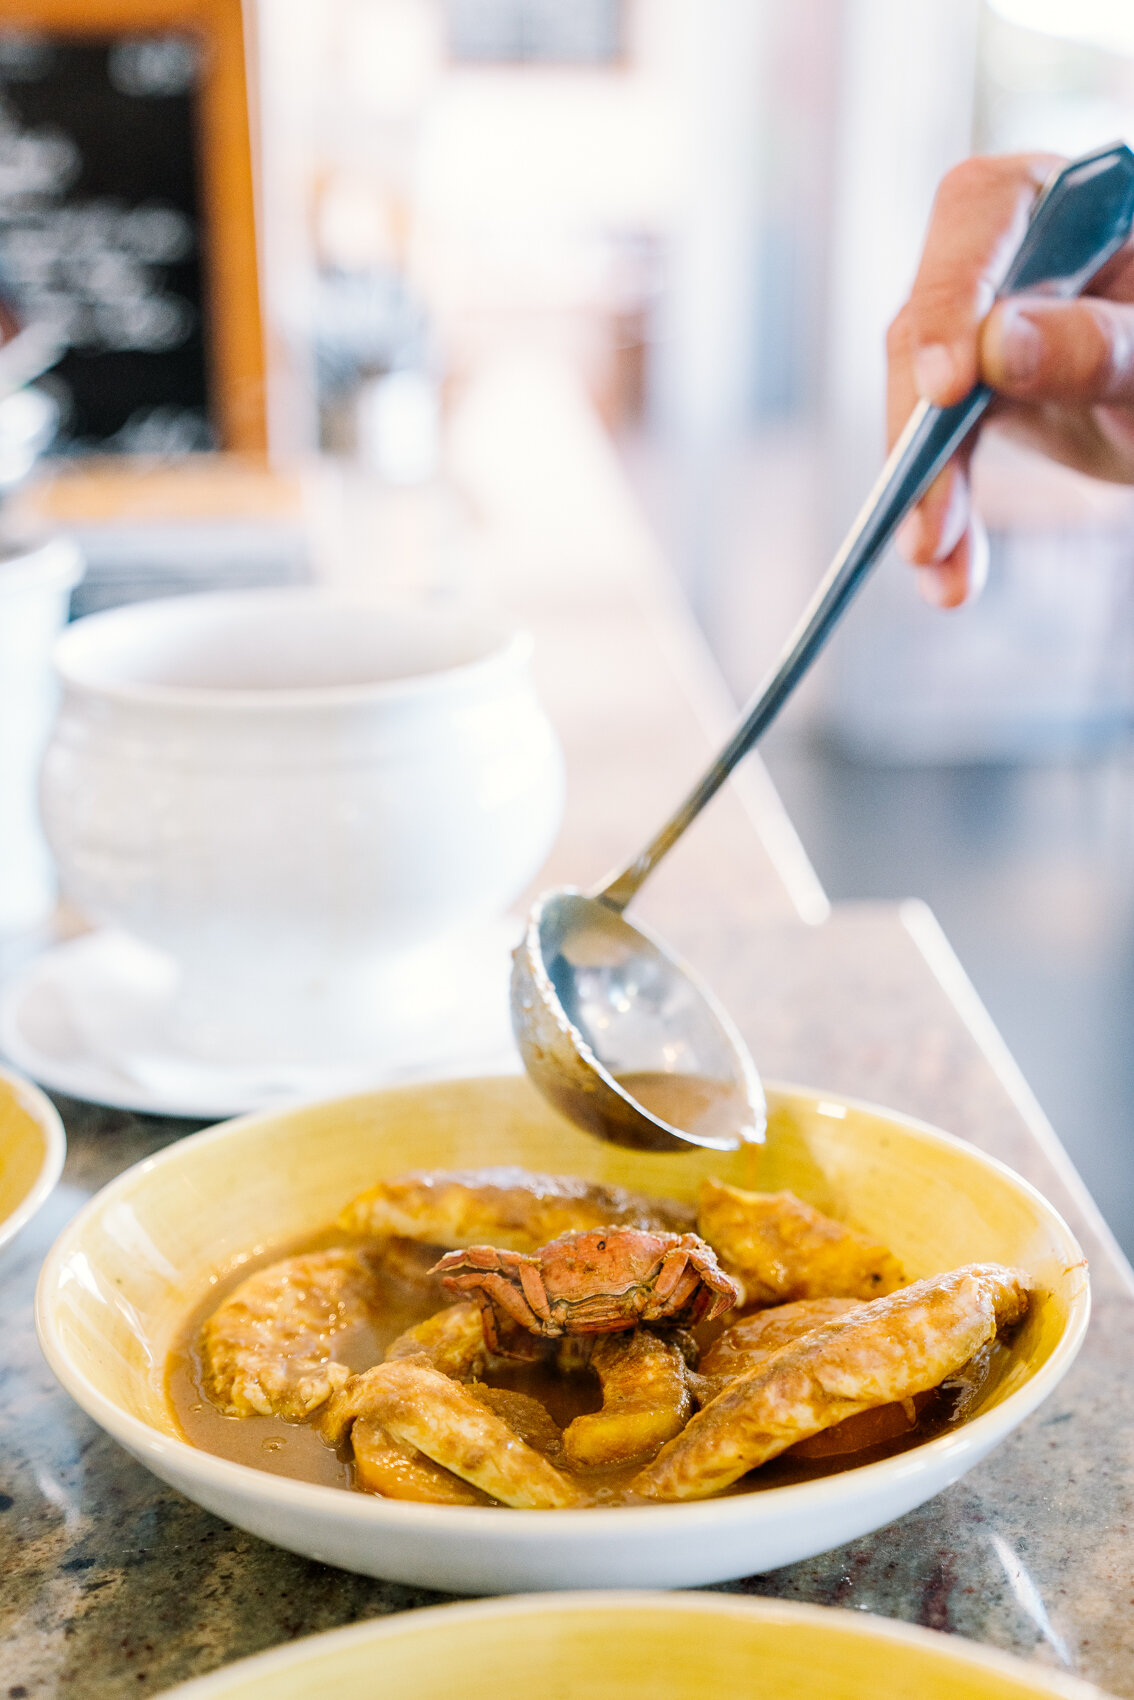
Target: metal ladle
608	1021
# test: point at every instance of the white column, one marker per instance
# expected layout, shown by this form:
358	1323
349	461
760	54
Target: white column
908	72
286	55
703	369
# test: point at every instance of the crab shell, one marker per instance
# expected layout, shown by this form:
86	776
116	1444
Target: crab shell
600	1281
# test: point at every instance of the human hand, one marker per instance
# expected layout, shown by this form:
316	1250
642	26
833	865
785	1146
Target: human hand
1063	370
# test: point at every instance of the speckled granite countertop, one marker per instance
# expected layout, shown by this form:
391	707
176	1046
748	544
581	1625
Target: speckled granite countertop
112	1585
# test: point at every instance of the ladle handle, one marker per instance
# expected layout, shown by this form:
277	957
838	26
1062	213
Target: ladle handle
1081	218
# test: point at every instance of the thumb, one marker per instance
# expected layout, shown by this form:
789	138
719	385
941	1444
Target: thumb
1074	352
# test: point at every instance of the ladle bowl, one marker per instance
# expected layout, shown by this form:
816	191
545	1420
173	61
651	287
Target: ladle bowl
624	1038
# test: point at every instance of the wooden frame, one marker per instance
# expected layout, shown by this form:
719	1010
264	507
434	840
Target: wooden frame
235	334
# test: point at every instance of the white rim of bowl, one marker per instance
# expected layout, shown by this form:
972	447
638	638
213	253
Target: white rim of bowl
144	1442
512	647
866	1626
47	1118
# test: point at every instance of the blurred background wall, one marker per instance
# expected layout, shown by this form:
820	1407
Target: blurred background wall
704	212
710	211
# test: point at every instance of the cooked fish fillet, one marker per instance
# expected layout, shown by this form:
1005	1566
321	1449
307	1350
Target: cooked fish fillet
645	1401
452	1340
508	1208
384	1466
748	1342
888	1350
422	1408
526	1416
268	1349
784	1249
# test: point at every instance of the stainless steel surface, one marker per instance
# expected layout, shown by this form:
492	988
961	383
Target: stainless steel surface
585	984
588	994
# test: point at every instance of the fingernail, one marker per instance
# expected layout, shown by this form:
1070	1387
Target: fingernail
908	537
934	371
980	554
935	587
1020	346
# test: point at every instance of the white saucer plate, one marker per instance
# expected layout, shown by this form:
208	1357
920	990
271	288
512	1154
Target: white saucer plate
92	1018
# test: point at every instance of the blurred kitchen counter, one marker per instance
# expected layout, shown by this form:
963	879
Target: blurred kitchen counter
115	1585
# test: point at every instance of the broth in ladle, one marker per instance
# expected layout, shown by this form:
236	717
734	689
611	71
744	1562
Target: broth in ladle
707	1109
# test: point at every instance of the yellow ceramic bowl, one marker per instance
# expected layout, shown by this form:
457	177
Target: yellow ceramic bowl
633	1647
32	1149
125	1273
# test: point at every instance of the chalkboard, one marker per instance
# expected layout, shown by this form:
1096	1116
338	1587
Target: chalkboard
116	223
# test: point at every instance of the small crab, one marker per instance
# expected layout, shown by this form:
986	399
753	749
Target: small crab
599	1281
